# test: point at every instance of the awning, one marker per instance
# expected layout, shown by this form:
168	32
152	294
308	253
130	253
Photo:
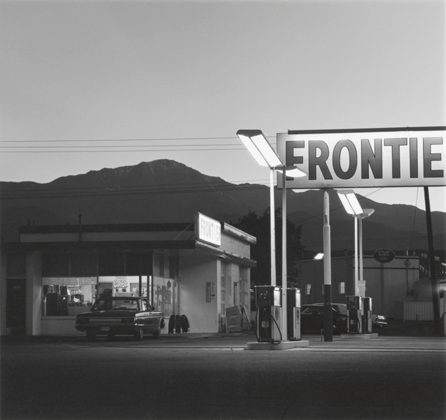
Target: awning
227	256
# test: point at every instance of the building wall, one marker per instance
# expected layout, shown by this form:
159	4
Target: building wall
12	270
387	283
235	246
384	283
196	270
195	273
311	273
209	316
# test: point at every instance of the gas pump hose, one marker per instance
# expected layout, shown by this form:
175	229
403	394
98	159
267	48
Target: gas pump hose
271	340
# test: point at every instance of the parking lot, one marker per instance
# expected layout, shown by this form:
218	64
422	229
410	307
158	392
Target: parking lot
209	377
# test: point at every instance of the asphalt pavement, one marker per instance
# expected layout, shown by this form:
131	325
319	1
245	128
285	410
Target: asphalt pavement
214	376
240	340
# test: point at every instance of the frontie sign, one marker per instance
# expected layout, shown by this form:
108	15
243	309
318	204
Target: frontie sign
393	157
207	230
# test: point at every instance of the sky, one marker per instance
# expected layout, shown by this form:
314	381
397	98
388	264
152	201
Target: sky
86	85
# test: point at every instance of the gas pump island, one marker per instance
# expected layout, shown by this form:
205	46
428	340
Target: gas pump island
359	315
270	333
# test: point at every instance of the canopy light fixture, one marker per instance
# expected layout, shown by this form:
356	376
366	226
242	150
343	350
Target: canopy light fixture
350	202
259	147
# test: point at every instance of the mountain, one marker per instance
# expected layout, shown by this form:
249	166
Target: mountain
391	226
168	191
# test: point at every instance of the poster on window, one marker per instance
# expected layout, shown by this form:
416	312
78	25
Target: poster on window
164	295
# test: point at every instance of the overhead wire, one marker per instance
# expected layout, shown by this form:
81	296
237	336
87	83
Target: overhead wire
166	144
121	151
127	139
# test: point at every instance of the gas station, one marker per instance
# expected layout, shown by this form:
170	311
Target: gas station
337	159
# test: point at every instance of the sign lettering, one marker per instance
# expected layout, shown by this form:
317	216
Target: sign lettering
365	158
384	255
207	229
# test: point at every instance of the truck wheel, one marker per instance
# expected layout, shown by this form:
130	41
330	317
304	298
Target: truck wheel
91	335
139	334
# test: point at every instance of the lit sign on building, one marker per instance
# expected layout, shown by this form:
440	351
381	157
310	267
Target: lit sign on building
384	255
365	158
207	229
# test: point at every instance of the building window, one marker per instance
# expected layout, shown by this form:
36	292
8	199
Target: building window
308	289
69	296
65	296
164	295
341	287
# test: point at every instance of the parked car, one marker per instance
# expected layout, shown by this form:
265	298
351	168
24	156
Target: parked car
312	316
378	321
120	315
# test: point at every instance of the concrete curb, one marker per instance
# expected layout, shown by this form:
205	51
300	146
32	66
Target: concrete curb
284	345
355	337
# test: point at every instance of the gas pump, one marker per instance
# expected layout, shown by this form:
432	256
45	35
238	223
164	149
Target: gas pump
354	314
293	314
367	315
269	311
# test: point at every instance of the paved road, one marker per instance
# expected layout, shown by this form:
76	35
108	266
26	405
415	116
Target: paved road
214	377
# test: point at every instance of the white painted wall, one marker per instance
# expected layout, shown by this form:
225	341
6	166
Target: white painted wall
59	325
195	272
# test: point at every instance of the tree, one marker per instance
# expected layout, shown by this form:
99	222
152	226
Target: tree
259	226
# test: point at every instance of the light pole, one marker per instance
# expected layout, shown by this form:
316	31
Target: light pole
351	205
366	213
265	155
326	236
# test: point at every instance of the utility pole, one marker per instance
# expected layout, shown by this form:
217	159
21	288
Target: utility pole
433	276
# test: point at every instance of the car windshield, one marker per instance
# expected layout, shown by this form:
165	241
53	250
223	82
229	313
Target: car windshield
318	309
342	309
115	303
313	310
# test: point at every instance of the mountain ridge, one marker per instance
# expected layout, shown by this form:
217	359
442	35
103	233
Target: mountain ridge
168	191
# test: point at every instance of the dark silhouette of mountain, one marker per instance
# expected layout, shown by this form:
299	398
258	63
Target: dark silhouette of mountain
391	226
168	191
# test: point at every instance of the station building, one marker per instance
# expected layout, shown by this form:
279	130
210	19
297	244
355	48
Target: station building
399	288
198	269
